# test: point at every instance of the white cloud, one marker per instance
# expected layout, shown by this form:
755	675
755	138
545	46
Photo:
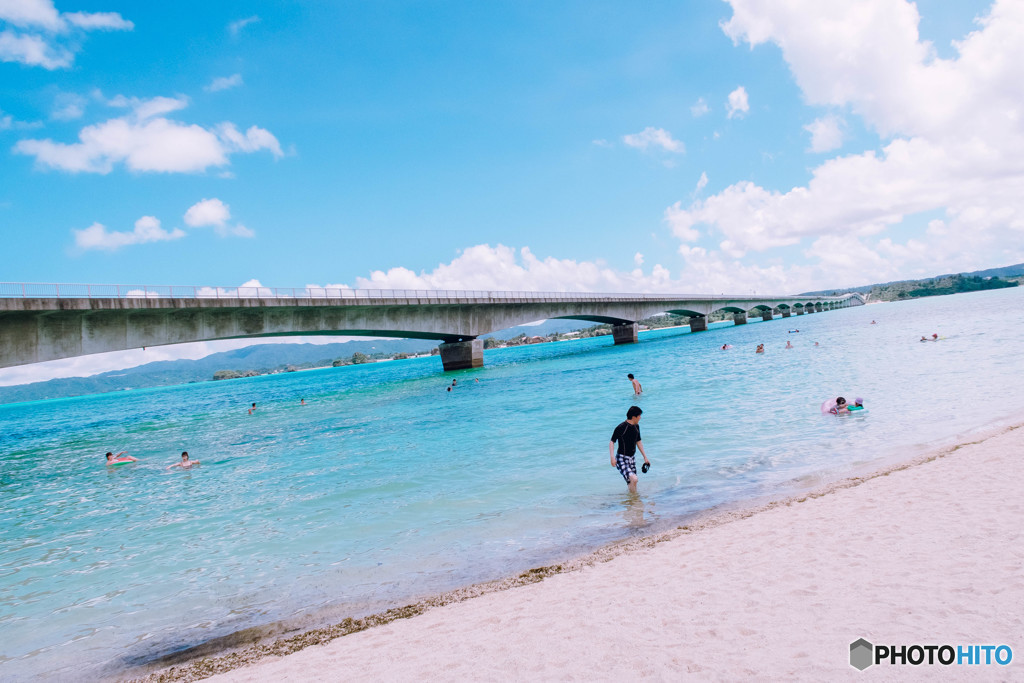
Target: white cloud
700	108
40	32
68	107
146	141
601	143
99	21
737	103
216	214
206	213
224	83
954	143
147	229
238	230
8	122
33	51
638	258
236	26
681	222
254	139
826	133
702	182
654	137
502	268
146	109
37	14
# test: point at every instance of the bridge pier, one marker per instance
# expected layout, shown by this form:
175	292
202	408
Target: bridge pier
785	312
462	355
739	318
625	333
817	308
698	323
766	316
800	311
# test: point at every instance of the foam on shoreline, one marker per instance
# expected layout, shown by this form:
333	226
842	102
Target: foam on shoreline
239	650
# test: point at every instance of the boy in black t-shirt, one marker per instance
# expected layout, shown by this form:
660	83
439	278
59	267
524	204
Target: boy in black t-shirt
628	436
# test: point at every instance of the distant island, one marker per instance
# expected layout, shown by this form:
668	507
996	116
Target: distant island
993	278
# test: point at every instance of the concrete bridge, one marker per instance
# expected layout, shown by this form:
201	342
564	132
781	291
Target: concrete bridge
48	322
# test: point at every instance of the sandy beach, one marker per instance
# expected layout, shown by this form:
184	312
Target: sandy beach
927	552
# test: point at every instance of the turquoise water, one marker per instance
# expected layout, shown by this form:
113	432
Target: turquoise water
386	487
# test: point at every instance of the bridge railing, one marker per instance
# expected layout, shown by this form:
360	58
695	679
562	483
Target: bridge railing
91	291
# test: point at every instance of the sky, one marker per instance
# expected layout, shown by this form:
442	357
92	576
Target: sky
683	147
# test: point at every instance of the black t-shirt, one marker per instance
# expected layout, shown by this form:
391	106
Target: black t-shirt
627	435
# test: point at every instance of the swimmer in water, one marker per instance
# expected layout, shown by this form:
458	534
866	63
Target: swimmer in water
185	462
111	458
302	401
789	345
253	409
839	407
637	389
760	348
726	347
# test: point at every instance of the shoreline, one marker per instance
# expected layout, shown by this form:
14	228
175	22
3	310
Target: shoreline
214	658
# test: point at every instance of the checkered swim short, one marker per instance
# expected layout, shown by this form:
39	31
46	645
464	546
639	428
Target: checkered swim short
626	464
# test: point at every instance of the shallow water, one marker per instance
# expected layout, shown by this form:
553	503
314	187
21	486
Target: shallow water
386	487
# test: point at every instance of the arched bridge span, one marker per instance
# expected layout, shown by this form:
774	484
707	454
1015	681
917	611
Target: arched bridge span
40	328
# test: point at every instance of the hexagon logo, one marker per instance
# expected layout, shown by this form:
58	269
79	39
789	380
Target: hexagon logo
861	654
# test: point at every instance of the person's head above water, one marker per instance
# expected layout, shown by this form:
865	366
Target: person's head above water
858	401
110	454
634	411
840	401
184	455
630	376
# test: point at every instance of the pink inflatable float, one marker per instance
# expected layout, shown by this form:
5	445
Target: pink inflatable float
834	406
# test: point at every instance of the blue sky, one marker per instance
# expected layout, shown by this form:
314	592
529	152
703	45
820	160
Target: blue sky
691	147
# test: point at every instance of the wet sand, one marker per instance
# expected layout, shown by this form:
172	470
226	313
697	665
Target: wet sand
926	552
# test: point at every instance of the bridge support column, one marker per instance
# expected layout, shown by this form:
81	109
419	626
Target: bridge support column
785	312
766	316
625	333
462	355
800	311
739	318
698	323
817	308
